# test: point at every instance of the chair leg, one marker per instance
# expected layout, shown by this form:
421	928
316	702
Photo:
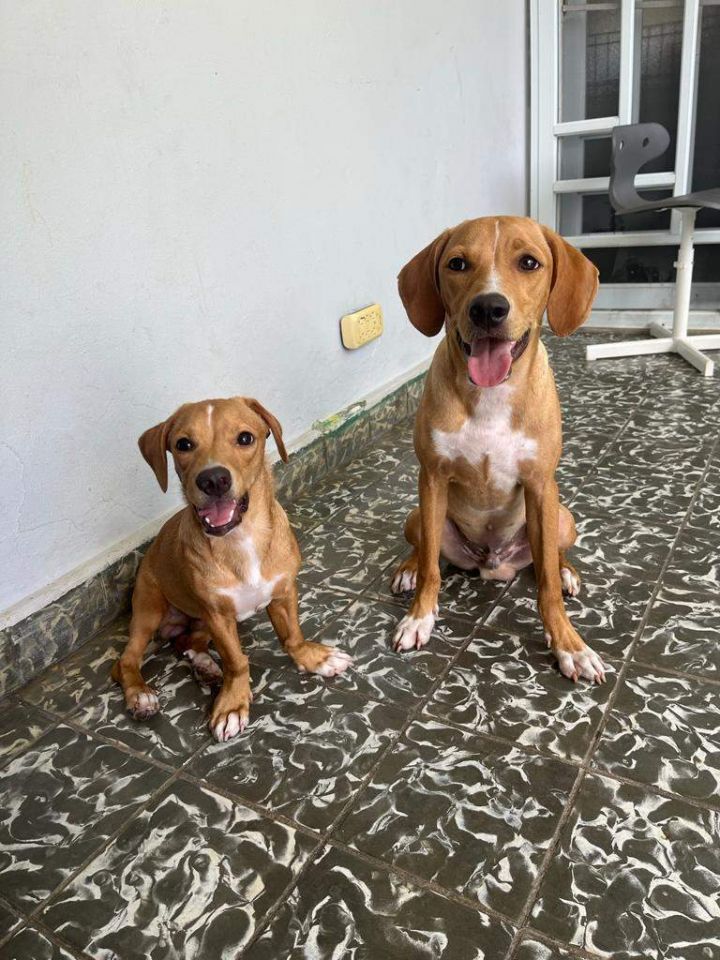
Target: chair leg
629	348
678	340
658	330
684	272
702	363
706	341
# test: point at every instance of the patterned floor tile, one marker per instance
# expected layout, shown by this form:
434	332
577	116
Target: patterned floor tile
695	563
59	801
382	509
366	630
306	750
349	558
473	816
705	512
635	875
32	944
9	921
19	726
344	908
607	614
621	547
533	949
174	733
659	421
683	632
82	675
511	688
190	877
665	731
654	497
635	452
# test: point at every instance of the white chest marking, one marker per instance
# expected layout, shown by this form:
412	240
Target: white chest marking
489	433
254	593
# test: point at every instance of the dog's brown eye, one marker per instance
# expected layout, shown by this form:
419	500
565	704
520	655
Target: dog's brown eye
184	444
457	264
245	439
526	262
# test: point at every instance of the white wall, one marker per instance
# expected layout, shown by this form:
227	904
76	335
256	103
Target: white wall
193	193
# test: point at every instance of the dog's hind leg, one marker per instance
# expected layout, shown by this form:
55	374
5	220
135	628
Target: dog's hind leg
567	536
191	639
148	609
309	657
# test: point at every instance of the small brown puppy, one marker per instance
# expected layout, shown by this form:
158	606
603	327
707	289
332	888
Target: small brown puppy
229	554
488	429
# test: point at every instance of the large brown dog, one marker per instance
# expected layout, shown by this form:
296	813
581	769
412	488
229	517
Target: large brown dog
227	555
488	429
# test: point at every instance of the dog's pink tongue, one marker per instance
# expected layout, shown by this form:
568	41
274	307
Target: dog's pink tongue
489	361
219	513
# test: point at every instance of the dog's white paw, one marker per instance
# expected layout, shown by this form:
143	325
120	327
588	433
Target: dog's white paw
144	705
205	669
229	726
413	632
570	581
404	581
335	663
581	663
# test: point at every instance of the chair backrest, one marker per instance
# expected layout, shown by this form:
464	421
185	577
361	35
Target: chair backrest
633	145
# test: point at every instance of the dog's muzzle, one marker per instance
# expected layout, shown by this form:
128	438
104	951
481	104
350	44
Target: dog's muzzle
490	358
222	515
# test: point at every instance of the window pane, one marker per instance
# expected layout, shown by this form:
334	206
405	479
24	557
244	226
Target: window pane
653	264
584	157
660	55
594	214
706	163
589	61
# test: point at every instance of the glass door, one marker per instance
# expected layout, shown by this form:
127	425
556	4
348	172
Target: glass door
598	64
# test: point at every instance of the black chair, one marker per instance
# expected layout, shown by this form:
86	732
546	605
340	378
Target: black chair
633	146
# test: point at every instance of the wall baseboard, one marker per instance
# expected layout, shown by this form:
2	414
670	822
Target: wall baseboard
48	625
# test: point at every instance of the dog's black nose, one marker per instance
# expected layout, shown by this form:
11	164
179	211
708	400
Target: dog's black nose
215	481
488	310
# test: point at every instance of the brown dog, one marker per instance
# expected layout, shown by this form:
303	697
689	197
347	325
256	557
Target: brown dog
488	430
227	555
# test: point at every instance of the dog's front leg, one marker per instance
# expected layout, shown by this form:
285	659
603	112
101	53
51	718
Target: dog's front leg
148	608
231	710
415	628
574	657
308	656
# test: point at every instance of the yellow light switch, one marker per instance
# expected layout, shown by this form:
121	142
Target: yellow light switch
362	326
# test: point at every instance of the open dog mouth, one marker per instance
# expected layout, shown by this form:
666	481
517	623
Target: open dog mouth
490	359
222	516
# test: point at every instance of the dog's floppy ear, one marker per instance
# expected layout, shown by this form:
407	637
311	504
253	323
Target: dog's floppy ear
419	289
573	286
273	425
153	446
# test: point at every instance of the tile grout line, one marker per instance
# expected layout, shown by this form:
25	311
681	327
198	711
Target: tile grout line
35	913
30	924
420	881
337	822
586	768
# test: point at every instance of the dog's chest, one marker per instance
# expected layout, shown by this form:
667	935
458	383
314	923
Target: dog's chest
488	436
253	592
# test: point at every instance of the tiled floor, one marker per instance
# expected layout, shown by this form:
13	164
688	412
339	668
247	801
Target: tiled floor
461	802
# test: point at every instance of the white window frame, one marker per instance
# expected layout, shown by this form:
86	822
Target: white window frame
546	128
